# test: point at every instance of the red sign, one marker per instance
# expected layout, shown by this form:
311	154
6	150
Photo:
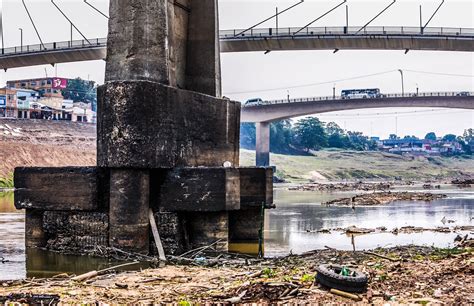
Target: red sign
59	83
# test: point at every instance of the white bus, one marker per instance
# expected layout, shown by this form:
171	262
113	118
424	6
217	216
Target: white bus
361	93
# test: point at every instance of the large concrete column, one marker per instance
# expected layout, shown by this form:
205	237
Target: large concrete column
263	144
137	47
203	67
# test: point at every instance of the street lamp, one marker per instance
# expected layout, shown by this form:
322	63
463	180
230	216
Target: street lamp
334	92
417	89
403	85
21	38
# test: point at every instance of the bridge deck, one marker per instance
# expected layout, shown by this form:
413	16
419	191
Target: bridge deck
321	38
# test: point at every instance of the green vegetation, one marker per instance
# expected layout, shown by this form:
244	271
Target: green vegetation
334	165
7	183
80	90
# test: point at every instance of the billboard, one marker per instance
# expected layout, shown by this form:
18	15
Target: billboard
59	83
3	101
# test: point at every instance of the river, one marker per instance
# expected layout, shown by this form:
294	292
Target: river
291	227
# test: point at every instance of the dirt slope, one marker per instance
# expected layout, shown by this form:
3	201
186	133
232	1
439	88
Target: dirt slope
45	143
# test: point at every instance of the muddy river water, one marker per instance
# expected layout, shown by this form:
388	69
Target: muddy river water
291	227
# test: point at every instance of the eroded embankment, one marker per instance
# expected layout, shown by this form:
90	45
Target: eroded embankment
27	143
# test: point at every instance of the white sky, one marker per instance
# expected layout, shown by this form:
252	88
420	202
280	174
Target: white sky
244	73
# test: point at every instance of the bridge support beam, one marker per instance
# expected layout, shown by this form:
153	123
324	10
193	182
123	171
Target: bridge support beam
263	144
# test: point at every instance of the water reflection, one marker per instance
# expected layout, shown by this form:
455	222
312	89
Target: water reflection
291	226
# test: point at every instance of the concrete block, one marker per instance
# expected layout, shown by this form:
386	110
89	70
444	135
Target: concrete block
208	228
67	189
200	190
128	210
75	232
35	236
256	187
149	125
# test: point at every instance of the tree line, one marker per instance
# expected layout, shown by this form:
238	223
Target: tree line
311	134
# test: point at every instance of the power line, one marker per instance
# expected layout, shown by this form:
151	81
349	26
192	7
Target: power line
349	79
441	73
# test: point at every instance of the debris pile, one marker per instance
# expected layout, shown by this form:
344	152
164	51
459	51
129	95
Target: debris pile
381	198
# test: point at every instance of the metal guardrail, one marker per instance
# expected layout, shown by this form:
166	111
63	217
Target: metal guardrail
383	96
62	45
348	31
267	33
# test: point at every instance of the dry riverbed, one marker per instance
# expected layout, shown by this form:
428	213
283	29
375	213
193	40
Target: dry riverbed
399	275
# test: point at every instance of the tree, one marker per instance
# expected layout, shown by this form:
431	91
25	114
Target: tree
311	134
337	137
449	137
358	141
431	136
80	90
248	136
281	136
393	137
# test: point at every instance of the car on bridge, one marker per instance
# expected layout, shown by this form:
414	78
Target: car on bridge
373	93
463	94
254	102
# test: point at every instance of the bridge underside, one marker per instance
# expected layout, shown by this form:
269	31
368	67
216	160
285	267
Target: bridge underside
53	57
249	44
350	42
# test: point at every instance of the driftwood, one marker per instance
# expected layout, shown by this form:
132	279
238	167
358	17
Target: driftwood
382	256
156	236
92	274
346	294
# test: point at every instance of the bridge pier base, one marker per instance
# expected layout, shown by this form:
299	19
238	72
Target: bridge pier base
263	144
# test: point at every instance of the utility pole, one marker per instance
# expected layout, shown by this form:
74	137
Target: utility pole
288	96
334	92
421	21
21	39
417	92
403	83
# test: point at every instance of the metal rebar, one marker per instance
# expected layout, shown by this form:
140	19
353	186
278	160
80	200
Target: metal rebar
96	9
376	16
52	1
33	23
269	18
306	26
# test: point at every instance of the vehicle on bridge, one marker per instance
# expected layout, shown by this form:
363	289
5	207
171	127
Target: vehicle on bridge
254	102
373	93
463	94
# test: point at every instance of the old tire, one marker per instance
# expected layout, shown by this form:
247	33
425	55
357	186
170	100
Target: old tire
328	276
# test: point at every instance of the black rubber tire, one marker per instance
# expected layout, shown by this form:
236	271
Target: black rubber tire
329	278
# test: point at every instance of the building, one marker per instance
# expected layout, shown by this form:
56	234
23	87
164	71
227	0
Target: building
46	87
8	103
25	97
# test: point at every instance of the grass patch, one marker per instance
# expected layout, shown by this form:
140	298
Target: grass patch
7	182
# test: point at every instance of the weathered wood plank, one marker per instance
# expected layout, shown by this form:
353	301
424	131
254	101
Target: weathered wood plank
200	190
60	189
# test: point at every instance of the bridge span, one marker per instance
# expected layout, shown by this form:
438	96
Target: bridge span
269	111
264	40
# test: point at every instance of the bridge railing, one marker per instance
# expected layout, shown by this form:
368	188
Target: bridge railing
61	45
382	96
323	31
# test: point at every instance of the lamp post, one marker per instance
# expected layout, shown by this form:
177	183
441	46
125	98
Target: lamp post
417	89
334	92
21	39
403	85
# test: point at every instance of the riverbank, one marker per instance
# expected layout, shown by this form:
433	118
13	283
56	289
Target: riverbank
398	275
332	165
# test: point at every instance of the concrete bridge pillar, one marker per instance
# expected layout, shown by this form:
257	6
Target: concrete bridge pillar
263	144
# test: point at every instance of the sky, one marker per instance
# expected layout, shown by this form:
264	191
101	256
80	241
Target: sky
277	74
